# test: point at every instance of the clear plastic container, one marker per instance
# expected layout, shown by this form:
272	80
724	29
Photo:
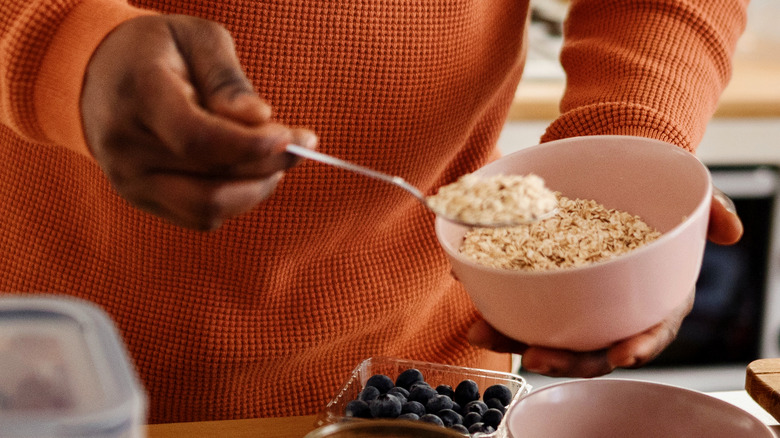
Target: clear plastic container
64	372
383	429
435	374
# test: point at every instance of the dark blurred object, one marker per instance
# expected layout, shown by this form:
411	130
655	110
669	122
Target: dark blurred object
726	324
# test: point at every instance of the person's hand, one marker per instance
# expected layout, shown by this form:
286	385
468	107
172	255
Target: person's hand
725	228
176	126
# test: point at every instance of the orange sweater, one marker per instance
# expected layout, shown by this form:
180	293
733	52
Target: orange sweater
267	315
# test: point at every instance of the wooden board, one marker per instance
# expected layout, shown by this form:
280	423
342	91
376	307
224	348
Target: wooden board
762	382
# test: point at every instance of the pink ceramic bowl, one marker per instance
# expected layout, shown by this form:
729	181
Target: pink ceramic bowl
593	306
628	408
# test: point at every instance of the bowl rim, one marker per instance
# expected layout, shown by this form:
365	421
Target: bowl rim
642	384
637	252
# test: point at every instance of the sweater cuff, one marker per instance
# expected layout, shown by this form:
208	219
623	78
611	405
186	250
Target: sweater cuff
614	118
58	88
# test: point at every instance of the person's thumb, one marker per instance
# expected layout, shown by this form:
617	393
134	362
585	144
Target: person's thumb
725	226
216	72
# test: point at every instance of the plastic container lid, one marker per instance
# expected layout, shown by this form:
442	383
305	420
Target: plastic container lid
64	371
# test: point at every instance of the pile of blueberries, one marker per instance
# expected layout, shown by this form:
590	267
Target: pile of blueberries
410	397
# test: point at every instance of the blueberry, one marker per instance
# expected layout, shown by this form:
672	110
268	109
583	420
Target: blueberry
420	384
409	377
500	392
446	390
477	427
471	418
481	428
456	407
385	406
368	393
492	417
380	382
460	429
477	406
358	409
421	393
413	407
449	417
437	403
409	416
399	392
495	403
433	419
466	391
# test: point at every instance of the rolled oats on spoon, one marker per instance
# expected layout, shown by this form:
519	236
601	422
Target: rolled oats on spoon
498	200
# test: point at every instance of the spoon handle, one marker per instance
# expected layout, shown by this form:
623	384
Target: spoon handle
352	167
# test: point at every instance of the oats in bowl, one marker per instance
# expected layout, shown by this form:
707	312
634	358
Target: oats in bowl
582	232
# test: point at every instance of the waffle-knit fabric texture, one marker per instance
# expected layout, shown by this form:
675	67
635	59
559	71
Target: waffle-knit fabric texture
267	315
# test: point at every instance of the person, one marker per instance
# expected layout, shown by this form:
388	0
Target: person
145	170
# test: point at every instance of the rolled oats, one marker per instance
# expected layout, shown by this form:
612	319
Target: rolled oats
498	199
582	232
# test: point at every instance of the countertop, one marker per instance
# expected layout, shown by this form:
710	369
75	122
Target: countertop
297	427
282	427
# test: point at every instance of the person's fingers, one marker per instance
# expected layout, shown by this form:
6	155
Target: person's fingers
547	361
483	335
632	352
725	226
216	72
192	199
176	126
304	138
563	363
166	88
638	350
206	142
201	204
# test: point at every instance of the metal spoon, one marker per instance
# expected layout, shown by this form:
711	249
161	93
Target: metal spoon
401	183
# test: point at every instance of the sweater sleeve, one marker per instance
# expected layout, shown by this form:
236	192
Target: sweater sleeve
45	46
651	68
